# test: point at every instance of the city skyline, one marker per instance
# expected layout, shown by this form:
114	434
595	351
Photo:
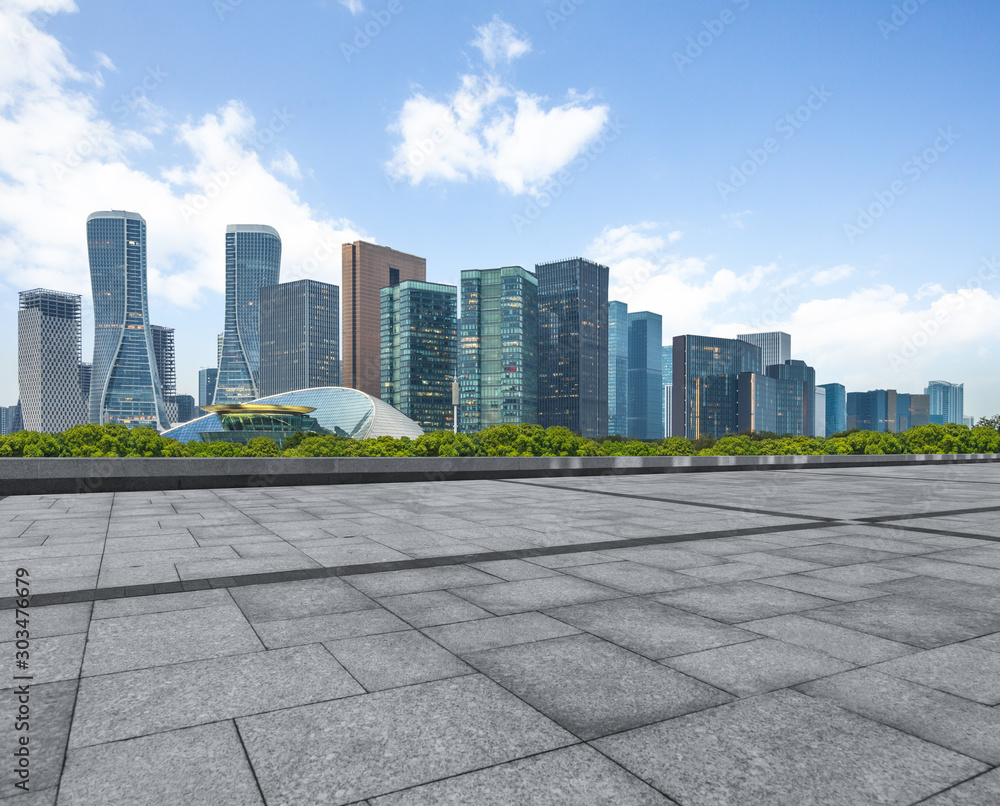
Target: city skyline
199	142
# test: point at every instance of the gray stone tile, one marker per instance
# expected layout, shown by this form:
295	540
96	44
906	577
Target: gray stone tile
506	598
290	600
948	591
636	578
671	559
44	622
157	639
438	729
513	570
920	622
863	574
592	687
203	766
824	588
650	628
239	567
943	719
986	556
573	560
432	608
50	659
392	583
45	797
51	711
835	554
837	642
138	575
501	631
161	603
755	667
396	659
785	749
988	642
729	572
332	627
981	791
734	602
925	566
129	704
959	669
576	776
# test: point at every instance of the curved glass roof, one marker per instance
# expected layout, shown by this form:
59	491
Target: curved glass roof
345	412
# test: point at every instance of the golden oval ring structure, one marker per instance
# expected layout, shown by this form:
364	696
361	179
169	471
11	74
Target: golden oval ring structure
257	408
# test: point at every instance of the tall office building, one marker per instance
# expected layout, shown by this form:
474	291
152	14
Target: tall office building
125	386
48	360
920	410
947	401
645	375
12	419
668	390
776	348
617	368
219	341
798	423
253	260
166	363
706	376
498	348
420	351
367	269
875	410
573	346
765	403
819	413
207	378
836	408
85	375
299	337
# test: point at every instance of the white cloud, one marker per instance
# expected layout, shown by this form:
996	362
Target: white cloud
829	276
354	6
489	129
500	41
735	220
287	165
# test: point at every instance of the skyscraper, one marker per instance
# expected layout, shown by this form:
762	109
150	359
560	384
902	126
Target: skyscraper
420	351
206	385
803	422
573	346
498	348
645	375
706	374
367	269
253	260
836	408
125	386
48	360
947	401
766	403
163	352
875	410
668	390
617	368
776	348
819	413
299	337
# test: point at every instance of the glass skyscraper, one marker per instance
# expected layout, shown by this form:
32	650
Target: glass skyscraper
668	390
299	336
573	346
819	413
420	351
498	348
166	363
707	370
836	408
125	386
206	385
617	368
802	422
645	375
947	401
253	260
776	348
766	403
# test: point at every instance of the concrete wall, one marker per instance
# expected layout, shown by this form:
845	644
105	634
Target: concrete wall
61	476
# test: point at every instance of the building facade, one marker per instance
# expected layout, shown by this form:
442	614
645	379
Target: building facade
253	261
668	390
125	385
645	375
776	348
299	336
49	372
947	401
836	408
498	348
798	423
819	413
617	368
706	375
207	378
367	269
765	403
420	351
573	346
166	360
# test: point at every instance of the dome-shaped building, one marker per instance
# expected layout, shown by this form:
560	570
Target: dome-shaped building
327	410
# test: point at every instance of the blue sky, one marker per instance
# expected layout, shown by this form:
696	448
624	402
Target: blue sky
654	137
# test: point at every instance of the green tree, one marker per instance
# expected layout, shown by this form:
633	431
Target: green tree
261	446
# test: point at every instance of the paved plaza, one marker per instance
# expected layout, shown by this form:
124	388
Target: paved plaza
710	639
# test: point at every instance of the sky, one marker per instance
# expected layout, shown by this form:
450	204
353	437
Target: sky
827	169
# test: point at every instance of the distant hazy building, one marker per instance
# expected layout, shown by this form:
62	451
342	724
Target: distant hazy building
920	410
668	390
366	270
420	351
299	336
969	421
706	376
617	368
180	409
645	375
12	422
498	348
166	360
573	346
836	407
85	375
48	360
253	261
799	422
776	348
819	413
206	385
947	401
125	386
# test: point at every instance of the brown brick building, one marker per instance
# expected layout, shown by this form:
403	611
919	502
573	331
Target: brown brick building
367	269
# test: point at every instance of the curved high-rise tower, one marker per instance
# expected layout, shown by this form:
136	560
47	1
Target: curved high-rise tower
125	386
253	260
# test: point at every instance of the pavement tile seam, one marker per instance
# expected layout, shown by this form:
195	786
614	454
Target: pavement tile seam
948	789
